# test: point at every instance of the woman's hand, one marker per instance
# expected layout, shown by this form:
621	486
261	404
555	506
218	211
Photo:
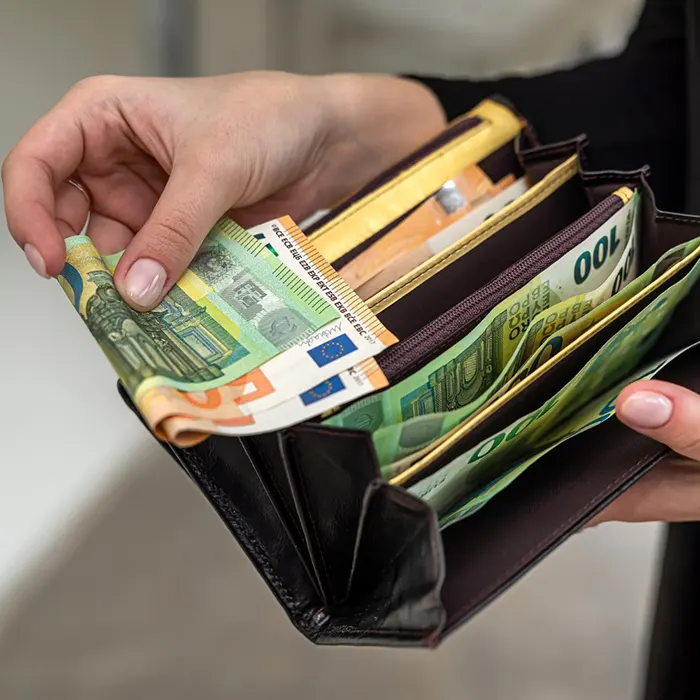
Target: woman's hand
163	159
671	491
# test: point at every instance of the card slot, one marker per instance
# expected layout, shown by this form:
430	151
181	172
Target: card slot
451	326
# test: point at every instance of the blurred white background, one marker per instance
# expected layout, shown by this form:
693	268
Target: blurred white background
70	450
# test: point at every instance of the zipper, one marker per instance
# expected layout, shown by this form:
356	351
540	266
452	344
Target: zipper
401	360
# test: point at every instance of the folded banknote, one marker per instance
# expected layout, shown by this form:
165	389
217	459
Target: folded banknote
257	321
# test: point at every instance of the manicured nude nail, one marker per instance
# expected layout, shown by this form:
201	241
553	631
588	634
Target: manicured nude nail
144	282
35	260
646	410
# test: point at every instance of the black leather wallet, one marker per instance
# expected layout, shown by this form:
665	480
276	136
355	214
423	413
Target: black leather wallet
355	558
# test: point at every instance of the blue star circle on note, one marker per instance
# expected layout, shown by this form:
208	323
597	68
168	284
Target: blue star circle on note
332	350
322	391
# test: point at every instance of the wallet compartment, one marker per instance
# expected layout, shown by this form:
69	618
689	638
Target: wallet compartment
353	559
397	191
439	334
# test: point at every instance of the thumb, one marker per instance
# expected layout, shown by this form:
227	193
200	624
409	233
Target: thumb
667	413
159	254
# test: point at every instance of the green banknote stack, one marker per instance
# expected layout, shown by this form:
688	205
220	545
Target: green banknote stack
574	296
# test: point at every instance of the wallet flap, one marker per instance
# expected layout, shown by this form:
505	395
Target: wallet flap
548	503
223	472
490	550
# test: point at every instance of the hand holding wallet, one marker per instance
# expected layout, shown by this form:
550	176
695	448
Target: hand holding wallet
362	546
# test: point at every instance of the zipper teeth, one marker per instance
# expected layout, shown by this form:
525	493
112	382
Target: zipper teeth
399	359
444	138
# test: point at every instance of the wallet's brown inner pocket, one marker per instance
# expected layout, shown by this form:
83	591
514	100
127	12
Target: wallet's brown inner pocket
428	323
439	334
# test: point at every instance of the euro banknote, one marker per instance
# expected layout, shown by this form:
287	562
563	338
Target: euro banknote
616	361
395	442
459	376
459	228
355	336
241	303
406	454
451	201
590	416
234	308
186	426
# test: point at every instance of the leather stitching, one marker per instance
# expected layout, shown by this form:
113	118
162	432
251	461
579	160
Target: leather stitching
242	530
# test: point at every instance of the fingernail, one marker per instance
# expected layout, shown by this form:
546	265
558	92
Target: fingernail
35	260
144	282
646	410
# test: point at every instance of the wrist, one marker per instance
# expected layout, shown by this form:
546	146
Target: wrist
380	118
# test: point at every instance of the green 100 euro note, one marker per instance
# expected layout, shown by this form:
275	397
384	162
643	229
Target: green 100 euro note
589	417
394	443
618	360
235	307
426	405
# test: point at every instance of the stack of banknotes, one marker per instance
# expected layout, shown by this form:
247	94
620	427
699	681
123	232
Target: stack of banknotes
261	333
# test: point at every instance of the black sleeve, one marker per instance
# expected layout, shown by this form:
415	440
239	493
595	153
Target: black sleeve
631	106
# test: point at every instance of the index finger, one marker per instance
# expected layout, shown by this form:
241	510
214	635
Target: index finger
45	156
